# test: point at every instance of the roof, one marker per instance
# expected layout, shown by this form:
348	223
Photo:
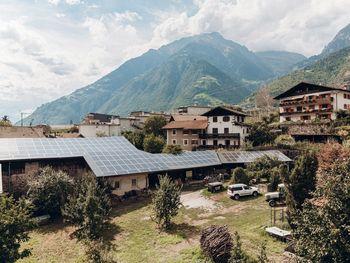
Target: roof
111	156
250	156
190	125
223	111
101	116
306	88
180	117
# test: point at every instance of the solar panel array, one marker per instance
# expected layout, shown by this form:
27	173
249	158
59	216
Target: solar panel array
250	156
106	156
109	156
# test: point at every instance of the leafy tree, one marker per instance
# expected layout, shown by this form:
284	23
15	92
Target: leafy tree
240	176
262	167
153	144
302	181
275	178
322	227
5	121
98	252
284	140
165	202
49	191
172	149
154	124
136	138
88	208
101	134
260	134
15	222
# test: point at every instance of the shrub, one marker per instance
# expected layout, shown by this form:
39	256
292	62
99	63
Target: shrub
49	190
262	167
172	149
153	144
88	208
154	124
239	176
15	222
284	140
165	202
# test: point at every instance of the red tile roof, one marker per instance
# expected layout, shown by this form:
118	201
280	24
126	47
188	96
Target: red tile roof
189	125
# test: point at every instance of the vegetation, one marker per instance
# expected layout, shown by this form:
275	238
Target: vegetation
165	202
88	208
322	227
263	168
284	140
172	149
101	134
49	190
5	121
153	144
239	176
154	124
260	134
15	223
136	138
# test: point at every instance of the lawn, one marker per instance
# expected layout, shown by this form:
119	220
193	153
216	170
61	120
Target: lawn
135	238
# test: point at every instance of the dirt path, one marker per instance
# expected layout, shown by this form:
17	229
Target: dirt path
197	200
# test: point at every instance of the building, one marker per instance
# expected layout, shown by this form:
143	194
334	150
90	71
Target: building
184	130
305	102
192	110
226	128
39	131
220	127
114	158
98	118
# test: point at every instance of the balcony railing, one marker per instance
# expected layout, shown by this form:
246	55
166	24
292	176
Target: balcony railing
307	102
307	111
219	135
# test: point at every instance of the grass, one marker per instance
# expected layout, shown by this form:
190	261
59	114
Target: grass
135	237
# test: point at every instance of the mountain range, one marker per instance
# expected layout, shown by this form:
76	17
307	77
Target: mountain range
205	69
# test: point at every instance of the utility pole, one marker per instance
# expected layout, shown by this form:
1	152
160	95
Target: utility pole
22	115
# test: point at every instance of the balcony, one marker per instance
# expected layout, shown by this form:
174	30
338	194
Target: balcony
219	135
327	100
329	109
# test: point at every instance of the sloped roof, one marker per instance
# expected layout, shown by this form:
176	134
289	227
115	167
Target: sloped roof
180	117
224	110
190	125
250	156
305	88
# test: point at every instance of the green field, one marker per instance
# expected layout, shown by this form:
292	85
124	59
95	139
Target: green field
135	238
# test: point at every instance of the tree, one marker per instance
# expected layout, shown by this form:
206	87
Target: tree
262	257
284	140
136	138
15	222
49	191
262	167
302	181
237	253
172	149
88	208
154	124
5	121
322	227
240	176
101	134
153	144
165	202
260	134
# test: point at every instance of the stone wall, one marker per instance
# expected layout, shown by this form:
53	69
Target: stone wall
308	129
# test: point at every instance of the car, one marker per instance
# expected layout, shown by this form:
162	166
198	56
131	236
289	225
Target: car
278	197
236	191
215	187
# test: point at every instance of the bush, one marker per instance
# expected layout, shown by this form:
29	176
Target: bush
284	140
49	191
275	179
15	223
260	134
262	167
239	176
97	252
88	208
153	144
172	149
136	138
154	124
165	202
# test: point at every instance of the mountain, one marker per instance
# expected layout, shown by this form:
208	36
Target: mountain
280	62
333	70
203	69
340	41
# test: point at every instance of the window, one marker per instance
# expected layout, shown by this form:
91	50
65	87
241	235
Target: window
174	132
215	142
186	132
194	142
174	141
288	118
299	109
133	182
116	185
345	97
194	131
226	130
227	142
215	119
185	141
226	118
345	106
204	142
215	130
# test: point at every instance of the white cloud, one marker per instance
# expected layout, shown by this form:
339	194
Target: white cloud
73	2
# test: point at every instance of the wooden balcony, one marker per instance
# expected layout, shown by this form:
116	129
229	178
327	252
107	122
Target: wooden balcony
327	100
329	109
219	135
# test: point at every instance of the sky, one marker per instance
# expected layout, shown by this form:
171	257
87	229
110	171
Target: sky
49	48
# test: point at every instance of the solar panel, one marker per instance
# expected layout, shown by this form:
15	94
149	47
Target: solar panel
250	156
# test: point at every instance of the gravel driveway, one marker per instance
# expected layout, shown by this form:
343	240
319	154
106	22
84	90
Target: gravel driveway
197	200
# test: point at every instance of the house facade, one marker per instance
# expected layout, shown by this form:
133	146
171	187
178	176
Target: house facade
306	102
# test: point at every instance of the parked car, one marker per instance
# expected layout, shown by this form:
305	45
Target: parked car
279	197
238	190
215	187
